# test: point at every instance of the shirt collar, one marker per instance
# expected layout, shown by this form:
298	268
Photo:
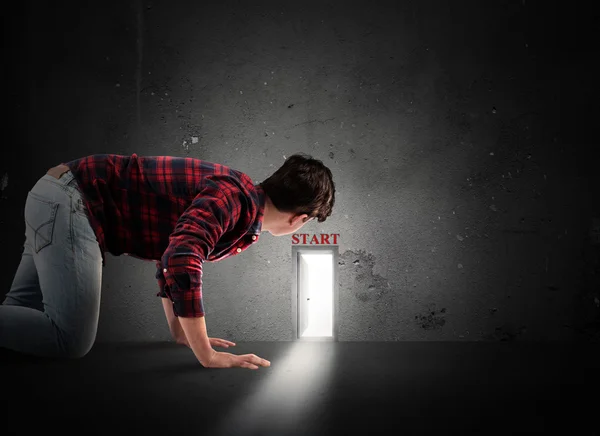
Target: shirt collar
256	227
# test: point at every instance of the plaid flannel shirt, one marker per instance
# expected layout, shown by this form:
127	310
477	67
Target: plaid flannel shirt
179	212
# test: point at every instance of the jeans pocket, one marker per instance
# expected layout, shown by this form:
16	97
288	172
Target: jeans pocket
40	215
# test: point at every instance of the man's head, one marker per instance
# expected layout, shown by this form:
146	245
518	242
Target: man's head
300	190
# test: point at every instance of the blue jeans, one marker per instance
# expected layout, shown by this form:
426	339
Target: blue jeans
53	305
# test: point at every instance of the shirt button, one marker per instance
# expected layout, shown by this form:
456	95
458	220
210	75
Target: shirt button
254	237
239	250
165	270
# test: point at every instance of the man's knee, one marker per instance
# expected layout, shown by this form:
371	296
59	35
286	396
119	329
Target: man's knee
76	348
76	351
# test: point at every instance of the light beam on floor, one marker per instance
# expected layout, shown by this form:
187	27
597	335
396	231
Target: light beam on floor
288	397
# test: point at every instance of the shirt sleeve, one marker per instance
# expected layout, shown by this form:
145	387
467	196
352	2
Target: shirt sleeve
162	290
196	233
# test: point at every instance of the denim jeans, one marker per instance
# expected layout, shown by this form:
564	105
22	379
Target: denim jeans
53	305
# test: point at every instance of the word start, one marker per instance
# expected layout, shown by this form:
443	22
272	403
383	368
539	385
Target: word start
322	239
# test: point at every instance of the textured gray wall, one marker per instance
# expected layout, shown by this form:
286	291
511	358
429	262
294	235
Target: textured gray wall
456	136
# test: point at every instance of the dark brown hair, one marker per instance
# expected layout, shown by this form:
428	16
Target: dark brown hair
302	185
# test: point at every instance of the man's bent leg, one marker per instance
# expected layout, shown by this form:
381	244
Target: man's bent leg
69	267
25	290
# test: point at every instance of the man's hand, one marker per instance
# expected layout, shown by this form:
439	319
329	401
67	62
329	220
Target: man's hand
191	332
194	329
228	360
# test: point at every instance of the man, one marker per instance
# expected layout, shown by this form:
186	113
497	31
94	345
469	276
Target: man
179	212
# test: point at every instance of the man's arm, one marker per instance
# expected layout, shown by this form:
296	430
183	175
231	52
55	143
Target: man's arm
174	324
191	332
172	320
197	232
197	336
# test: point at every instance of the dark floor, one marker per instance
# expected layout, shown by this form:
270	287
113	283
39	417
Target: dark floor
310	389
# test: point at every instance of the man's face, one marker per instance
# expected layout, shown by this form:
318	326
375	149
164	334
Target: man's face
290	225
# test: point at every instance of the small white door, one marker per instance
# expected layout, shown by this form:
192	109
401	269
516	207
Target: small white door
315	294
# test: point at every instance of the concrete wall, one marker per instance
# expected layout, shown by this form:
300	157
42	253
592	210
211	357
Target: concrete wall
456	134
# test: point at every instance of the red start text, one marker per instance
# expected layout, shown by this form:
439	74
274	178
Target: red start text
322	239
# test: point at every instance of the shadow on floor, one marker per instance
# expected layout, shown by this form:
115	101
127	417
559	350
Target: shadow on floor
310	389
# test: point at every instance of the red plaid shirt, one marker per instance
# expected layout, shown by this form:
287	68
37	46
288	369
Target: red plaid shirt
177	211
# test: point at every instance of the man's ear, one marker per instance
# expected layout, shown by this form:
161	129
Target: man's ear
298	218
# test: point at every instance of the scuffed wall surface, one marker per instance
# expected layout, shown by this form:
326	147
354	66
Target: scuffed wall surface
457	137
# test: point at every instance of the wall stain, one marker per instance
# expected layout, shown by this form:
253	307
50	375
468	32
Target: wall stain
432	319
506	332
367	286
